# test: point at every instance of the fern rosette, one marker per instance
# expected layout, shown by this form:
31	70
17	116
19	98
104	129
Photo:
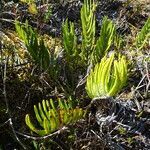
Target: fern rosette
107	78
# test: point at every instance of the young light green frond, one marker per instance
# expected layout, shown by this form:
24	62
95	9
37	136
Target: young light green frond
28	122
32	127
144	35
107	78
91	88
117	82
107	73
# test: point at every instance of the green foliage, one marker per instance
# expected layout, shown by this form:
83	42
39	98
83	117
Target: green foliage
88	28
91	50
143	36
50	118
69	40
104	42
107	78
71	54
37	49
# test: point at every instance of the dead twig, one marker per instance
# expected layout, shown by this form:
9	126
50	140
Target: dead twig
43	137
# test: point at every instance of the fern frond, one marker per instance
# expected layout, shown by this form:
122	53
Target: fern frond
107	35
88	28
69	39
143	36
107	78
51	118
35	46
37	49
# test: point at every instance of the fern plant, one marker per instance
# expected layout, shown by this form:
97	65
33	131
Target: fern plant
88	28
143	36
107	78
92	50
37	49
104	42
50	118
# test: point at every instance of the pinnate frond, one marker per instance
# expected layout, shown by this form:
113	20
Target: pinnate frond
104	42
69	39
88	28
37	49
51	118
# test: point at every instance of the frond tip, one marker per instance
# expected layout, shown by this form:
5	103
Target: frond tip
107	78
50	118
